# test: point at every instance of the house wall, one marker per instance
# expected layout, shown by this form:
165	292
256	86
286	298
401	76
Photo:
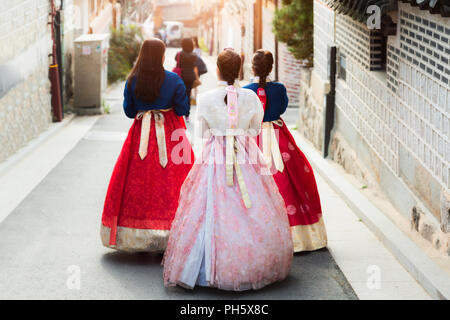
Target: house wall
314	81
289	74
94	16
25	108
396	122
288	67
82	15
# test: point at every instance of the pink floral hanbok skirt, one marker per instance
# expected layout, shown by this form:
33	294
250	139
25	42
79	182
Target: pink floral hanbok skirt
215	239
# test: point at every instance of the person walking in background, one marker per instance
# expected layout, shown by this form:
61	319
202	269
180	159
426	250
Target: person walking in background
197	49
162	34
292	171
231	229
200	64
143	192
186	62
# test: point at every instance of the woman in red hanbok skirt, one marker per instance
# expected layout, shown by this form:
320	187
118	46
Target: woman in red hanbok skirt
142	196
289	166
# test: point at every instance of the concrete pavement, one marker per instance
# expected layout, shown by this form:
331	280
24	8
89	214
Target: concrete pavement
50	246
54	234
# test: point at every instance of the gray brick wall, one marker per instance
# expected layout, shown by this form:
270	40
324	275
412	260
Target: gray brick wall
403	114
423	89
25	109
361	44
396	121
408	106
323	36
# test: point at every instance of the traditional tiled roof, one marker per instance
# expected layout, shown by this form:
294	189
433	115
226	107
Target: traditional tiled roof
357	9
434	6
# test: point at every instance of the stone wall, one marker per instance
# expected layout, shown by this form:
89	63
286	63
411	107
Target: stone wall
25	108
391	127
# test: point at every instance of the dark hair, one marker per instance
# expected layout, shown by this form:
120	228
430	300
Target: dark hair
187	45
148	71
195	39
229	63
262	65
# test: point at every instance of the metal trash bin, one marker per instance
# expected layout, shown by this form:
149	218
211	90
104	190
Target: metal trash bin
91	73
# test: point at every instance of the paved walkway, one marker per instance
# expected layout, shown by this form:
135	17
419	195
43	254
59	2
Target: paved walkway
50	238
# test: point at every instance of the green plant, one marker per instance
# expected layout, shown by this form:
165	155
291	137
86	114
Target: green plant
293	25
202	45
124	49
106	107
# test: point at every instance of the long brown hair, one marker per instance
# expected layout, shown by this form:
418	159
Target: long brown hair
262	65
187	45
229	64
148	72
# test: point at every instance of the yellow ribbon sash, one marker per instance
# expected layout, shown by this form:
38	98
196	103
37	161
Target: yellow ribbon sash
231	163
146	117
270	146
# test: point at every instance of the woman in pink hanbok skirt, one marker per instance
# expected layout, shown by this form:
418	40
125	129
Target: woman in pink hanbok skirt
231	229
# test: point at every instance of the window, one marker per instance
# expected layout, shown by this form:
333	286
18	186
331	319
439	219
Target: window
342	66
378	49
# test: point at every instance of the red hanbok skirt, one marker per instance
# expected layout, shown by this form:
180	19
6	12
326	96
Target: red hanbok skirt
298	188
142	196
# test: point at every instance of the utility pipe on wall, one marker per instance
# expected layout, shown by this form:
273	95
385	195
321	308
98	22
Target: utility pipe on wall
54	71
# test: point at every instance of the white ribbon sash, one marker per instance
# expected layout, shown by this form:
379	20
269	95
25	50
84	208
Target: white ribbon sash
231	162
270	146
146	117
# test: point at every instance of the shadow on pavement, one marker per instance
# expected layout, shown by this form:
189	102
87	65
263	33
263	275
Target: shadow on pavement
309	278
